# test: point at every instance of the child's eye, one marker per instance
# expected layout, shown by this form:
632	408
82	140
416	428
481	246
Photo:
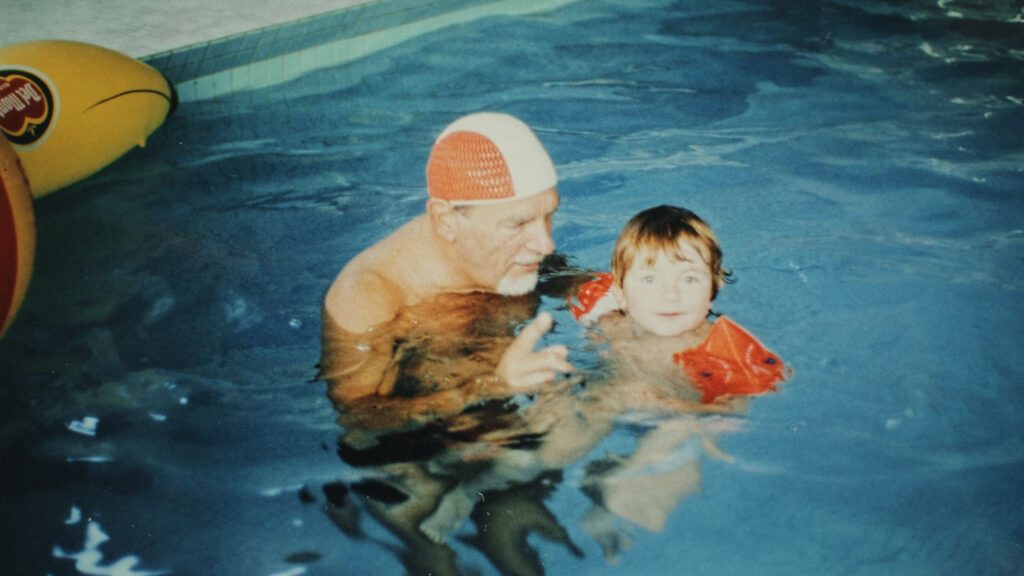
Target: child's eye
647	279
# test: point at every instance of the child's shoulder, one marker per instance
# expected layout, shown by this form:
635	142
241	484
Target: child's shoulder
613	325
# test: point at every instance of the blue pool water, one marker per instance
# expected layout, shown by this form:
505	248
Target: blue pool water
861	163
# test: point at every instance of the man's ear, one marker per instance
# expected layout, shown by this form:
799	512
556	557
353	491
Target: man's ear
443	218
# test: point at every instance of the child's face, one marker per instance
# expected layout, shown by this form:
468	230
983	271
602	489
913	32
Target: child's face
668	296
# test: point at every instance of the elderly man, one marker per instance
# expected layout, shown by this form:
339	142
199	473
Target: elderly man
486	228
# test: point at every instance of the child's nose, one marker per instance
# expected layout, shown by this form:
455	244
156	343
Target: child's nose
673	290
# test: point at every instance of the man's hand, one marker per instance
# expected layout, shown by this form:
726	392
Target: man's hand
526	370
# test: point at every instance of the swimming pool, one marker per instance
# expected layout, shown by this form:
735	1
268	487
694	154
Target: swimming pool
860	161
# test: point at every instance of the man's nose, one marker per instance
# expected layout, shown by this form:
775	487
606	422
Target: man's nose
540	240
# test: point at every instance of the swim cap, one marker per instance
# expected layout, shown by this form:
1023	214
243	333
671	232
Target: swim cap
488	157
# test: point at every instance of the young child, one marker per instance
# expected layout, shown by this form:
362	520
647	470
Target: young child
669	365
654	308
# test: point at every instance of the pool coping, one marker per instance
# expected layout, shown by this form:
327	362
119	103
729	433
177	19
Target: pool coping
276	54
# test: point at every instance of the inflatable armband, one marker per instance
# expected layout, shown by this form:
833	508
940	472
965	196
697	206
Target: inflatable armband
593	299
731	361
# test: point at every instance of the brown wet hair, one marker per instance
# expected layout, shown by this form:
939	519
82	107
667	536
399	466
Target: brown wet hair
660	229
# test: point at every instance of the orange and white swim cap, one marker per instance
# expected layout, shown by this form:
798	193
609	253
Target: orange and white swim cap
488	157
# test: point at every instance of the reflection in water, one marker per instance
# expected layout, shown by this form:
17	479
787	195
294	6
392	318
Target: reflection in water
430	362
438	457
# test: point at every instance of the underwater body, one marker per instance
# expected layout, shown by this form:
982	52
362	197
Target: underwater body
860	162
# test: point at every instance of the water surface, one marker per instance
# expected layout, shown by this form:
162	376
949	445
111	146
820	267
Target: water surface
860	162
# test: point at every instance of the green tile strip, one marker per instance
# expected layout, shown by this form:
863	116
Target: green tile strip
280	53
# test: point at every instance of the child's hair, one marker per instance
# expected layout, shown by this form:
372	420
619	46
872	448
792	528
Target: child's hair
660	229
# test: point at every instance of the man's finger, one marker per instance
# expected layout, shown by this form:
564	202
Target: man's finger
557	351
533	332
558	358
551	359
558	364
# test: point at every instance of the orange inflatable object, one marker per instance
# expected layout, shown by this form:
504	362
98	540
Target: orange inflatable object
731	361
584	305
17	235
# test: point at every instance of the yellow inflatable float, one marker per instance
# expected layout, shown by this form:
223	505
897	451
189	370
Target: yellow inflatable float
70	108
67	109
17	235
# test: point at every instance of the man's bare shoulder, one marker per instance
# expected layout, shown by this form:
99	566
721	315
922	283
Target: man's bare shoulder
365	293
370	289
361	297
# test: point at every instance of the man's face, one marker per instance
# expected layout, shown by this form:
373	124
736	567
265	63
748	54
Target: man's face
666	295
502	244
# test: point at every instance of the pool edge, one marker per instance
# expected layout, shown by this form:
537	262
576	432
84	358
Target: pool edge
276	54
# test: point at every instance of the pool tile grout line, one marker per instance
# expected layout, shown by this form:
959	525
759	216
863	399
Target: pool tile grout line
276	54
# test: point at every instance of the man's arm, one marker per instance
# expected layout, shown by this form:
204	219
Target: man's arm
353	360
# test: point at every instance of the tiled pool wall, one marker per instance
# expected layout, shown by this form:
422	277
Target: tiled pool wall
283	52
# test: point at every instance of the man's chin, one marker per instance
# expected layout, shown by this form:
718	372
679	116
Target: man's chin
517	285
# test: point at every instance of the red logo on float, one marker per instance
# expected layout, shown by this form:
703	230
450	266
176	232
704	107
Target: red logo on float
26	106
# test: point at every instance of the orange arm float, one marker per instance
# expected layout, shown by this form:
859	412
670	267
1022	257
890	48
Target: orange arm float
731	361
593	299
